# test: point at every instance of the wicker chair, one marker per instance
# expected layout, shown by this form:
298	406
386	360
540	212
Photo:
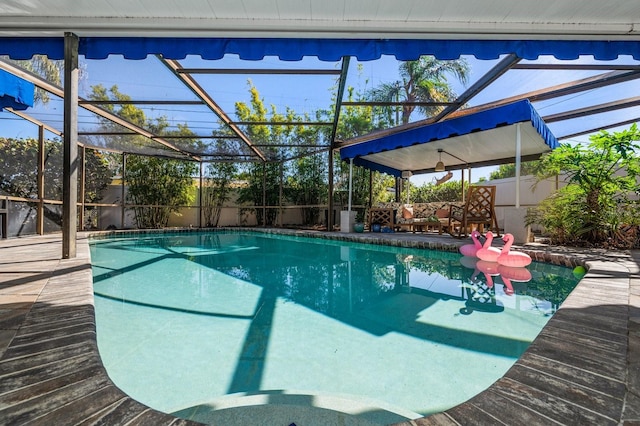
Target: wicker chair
479	210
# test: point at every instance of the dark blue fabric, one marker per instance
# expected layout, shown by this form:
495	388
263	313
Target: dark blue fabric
325	49
15	92
505	115
23	48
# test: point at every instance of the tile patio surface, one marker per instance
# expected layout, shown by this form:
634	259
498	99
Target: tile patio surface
583	368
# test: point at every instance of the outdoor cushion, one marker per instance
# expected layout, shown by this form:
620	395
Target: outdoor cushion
407	212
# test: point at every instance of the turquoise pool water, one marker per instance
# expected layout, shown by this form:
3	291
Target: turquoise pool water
194	323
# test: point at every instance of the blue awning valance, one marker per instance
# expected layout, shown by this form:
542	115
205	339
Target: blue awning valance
325	49
15	92
485	138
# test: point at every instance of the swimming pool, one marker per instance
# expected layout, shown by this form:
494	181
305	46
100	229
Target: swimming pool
191	323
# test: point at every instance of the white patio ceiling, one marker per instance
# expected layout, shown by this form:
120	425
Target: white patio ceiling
550	19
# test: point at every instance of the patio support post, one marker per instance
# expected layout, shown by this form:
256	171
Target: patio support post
41	158
330	218
122	189
70	157
280	195
264	194
350	181
200	192
408	185
370	188
83	166
347	218
518	161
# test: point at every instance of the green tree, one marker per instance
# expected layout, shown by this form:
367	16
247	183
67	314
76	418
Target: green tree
509	170
19	172
217	190
307	185
423	80
356	121
601	178
430	192
264	175
157	186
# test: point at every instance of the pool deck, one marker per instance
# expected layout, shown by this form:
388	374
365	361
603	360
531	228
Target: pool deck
583	368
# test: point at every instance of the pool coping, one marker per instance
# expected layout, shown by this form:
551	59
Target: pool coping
584	367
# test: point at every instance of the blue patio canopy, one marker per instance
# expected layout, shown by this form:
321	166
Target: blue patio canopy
15	92
486	138
328	49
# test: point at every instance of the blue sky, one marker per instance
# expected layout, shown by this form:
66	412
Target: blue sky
150	80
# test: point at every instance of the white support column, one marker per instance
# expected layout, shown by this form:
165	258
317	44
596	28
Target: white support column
350	181
518	163
514	217
348	218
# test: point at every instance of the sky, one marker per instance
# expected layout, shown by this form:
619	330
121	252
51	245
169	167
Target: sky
150	80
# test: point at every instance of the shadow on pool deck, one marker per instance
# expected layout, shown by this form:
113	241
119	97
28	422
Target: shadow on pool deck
583	368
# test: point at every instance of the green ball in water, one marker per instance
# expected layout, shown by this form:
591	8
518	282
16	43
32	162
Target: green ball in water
579	271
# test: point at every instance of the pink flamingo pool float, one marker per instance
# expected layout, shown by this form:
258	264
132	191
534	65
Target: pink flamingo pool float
488	253
471	249
512	258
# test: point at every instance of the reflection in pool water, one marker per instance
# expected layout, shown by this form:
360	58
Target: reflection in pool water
185	319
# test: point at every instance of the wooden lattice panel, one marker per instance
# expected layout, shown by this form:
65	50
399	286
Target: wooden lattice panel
478	210
382	216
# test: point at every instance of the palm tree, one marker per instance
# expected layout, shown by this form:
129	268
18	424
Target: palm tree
423	80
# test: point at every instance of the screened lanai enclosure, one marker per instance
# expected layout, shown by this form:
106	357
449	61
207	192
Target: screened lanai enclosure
245	132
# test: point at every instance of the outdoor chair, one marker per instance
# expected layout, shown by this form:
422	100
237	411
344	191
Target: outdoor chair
478	210
382	217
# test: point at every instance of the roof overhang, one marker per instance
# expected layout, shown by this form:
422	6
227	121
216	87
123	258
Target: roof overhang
486	138
543	19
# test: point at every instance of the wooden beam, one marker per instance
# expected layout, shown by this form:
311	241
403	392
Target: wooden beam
41	158
70	143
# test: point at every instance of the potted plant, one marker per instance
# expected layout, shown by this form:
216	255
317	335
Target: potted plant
358	226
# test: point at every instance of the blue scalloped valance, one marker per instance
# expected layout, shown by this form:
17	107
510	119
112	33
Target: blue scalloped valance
292	49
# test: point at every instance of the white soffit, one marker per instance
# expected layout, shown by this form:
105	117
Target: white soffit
497	19
488	147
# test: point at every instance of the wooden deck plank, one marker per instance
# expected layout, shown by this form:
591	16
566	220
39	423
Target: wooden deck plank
571	373
557	409
582	396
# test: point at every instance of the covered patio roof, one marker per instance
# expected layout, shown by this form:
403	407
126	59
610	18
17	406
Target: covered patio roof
486	138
